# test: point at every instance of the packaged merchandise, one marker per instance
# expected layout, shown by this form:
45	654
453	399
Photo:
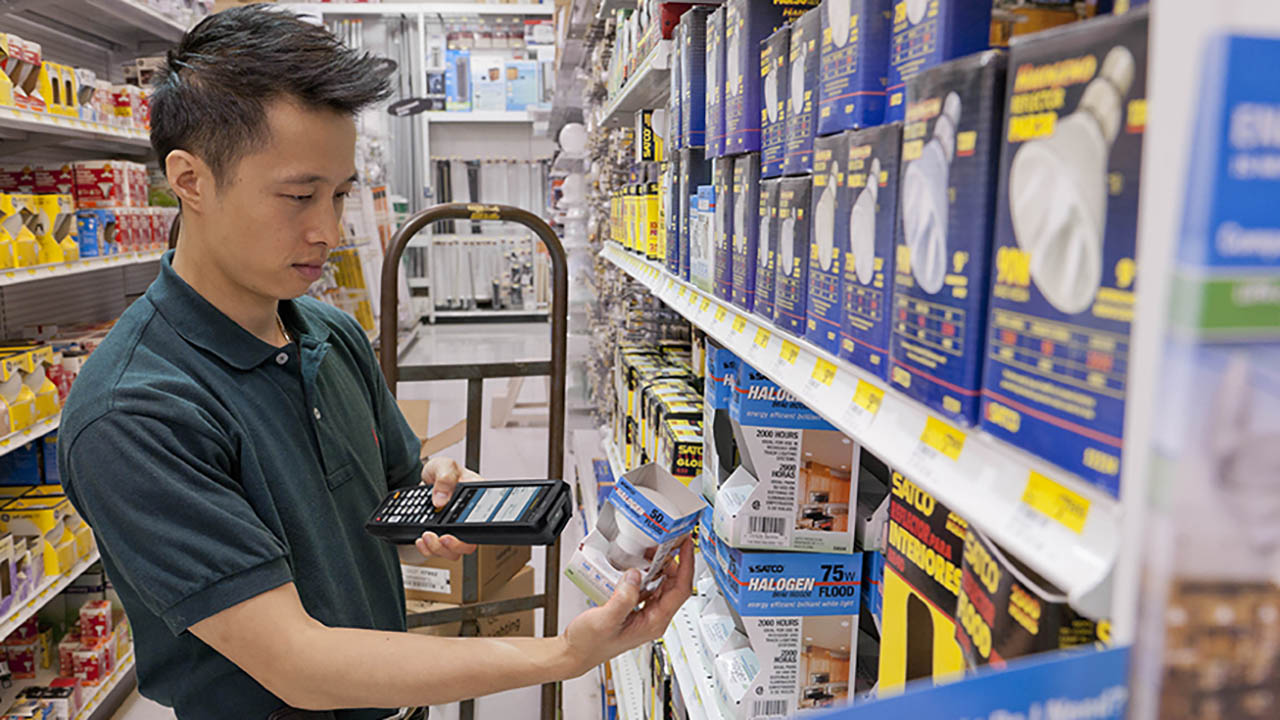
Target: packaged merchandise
803	61
746	202
523	87
871	521
873	593
693	76
488	89
54	226
774	55
722	252
101	184
647	516
871	177
670	209
56	703
715	61
457	80
929	33
23	68
22	655
791	257
95	619
796	480
440	580
943	256
516	624
679	447
855	64
650	144
767	247
747	24
52	180
702	239
1064	271
91	662
694	171
827	250
665	400
719	448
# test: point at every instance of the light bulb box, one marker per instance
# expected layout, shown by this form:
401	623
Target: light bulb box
803	62
1063	275
942	259
746	231
702	238
719	448
774	56
923	568
747	24
854	75
871	177
767	247
522	86
457	80
672	211
693	75
791	258
590	567
675	96
926	33
714	88
722	249
827	246
694	171
797	477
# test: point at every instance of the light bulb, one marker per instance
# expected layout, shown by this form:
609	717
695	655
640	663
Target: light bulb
824	222
797	80
838	15
925	206
916	10
771	95
1058	190
630	544
862	226
787	246
1246	457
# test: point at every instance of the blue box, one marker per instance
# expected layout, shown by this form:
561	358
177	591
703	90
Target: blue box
722	257
791	256
855	64
91	226
830	226
49	449
803	63
693	76
719	448
714	89
21	466
766	247
523	89
746	206
1062	293
873	587
747	24
457	80
930	33
872	178
950	150
774	55
675	96
669	186
694	171
488	86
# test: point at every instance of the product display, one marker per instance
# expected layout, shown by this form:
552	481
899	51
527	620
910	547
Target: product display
775	54
767	248
694	70
791	255
802	92
827	251
747	24
702	238
855	56
719	444
715	83
694	171
746	203
927	33
722	247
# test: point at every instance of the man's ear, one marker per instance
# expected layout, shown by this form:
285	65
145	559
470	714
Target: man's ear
191	179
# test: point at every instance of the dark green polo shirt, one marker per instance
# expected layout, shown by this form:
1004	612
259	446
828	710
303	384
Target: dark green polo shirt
214	467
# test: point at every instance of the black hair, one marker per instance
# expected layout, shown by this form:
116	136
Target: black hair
211	95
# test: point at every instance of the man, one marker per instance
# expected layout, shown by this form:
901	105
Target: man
229	438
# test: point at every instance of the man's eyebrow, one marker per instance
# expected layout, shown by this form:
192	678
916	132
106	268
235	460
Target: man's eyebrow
314	178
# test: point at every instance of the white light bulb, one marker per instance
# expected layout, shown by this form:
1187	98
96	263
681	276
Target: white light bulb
916	10
824	222
797	80
925	205
787	247
771	95
1058	190
838	14
862	226
631	543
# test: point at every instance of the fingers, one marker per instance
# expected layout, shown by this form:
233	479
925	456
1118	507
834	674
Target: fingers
624	599
443	475
447	547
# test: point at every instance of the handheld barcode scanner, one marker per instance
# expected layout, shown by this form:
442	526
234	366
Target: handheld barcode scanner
493	512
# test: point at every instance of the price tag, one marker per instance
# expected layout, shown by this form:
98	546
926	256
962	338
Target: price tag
670	283
939	448
1056	502
789	352
720	313
762	338
706	303
862	409
680	292
824	372
739	323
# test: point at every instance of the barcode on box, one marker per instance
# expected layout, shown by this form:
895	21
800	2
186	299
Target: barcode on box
767	525
768	708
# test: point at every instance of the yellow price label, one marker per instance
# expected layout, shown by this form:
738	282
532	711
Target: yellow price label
1056	502
762	337
868	397
670	283
789	352
680	292
720	313
824	372
739	323
706	303
943	437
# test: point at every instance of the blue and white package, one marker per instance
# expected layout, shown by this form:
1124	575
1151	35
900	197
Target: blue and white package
930	32
803	62
872	178
722	252
523	87
942	262
715	60
1064	272
719	449
830	203
693	76
747	24
702	240
457	80
791	255
766	247
855	64
95	230
746	203
694	171
873	587
774	54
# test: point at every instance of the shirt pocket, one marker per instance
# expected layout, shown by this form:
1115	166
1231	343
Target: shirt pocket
347	430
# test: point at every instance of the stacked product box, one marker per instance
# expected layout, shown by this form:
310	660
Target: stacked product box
670	209
715	63
827	252
802	92
774	56
746	203
791	254
855	56
766	247
702	239
694	171
112	197
926	34
722	257
747	24
693	76
719	448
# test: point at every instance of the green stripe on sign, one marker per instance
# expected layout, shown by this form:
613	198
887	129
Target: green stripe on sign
1247	306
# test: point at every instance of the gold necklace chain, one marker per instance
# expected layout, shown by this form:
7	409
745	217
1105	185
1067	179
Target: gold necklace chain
285	333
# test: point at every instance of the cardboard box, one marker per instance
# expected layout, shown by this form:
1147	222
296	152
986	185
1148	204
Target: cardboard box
523	90
719	448
929	34
871	523
1063	280
679	449
747	24
828	248
55	229
675	97
517	624
715	82
871	177
746	231
101	184
488	88
693	75
437	580
950	147
457	80
855	64
649	141
775	55
791	256
722	259
694	171
767	247
803	62
702	240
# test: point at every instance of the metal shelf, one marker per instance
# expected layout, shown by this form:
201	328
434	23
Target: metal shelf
480	116
48	590
1064	528
446	314
9	443
44	272
646	89
26	131
444	9
693	670
628	685
131	21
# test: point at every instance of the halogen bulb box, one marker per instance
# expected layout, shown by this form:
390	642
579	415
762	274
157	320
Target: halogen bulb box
693	75
855	64
719	448
693	171
926	33
774	55
946	202
767	247
871	178
791	258
797	475
802	92
747	24
1064	273
746	231
830	223
715	58
648	510
722	258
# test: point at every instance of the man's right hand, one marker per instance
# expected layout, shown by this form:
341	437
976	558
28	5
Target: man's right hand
602	633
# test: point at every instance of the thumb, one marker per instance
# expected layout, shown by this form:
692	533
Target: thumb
624	599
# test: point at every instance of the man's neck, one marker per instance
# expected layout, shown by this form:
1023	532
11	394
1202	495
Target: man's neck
253	312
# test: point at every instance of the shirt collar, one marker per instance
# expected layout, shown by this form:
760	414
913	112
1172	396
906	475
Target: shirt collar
205	326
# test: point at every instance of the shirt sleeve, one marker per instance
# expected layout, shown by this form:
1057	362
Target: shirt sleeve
163	501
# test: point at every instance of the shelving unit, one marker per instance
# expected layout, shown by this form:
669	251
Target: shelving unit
45	272
132	20
95	697
408	8
647	88
692	667
9	443
628	685
480	116
26	132
48	590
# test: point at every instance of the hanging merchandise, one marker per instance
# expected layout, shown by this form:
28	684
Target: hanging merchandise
855	57
722	258
747	24
803	63
715	60
791	258
746	203
930	32
774	55
767	247
827	251
694	70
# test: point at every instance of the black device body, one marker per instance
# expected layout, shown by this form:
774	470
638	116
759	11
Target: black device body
492	512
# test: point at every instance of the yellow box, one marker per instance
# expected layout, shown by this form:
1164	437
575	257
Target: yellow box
43	516
84	540
6	85
55	229
60	558
54	491
26	249
58	87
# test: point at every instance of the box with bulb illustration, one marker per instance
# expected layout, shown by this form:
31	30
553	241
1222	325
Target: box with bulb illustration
871	177
774	56
791	255
827	251
747	24
942	258
803	62
797	478
693	171
649	510
1063	276
927	33
693	75
855	64
719	448
714	88
722	249
767	247
702	239
746	202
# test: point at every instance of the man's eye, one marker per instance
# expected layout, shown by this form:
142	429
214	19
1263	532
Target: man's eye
299	198
342	195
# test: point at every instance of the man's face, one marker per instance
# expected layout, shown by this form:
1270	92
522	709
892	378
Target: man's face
276	215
